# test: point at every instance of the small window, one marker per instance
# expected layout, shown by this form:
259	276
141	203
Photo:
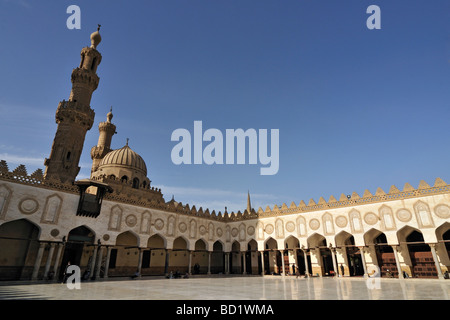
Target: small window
124	179
136	183
68	155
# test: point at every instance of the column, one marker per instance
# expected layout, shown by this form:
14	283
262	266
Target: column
282	263
49	259
94	259
296	262
363	259
99	262
227	263
305	255
166	265
190	263
58	259
262	263
244	265
209	262
397	262
436	260
333	257
37	263
108	257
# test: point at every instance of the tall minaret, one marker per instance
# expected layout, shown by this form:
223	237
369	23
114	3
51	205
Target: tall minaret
106	131
249	205
75	116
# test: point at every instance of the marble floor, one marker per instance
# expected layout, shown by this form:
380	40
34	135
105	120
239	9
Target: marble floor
235	288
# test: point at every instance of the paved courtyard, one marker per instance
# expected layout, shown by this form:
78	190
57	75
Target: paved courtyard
235	288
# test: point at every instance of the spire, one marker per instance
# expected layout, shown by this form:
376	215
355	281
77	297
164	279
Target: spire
249	205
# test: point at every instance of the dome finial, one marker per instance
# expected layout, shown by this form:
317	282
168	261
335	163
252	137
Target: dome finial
109	115
96	38
127	141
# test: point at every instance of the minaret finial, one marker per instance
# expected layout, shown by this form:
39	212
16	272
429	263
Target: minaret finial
98	28
127	141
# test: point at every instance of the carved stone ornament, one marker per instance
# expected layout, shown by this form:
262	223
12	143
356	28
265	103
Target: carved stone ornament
371	218
314	224
404	215
290	226
219	232
28	206
442	211
202	230
182	227
131	220
54	232
159	224
251	230
234	232
269	229
106	237
341	221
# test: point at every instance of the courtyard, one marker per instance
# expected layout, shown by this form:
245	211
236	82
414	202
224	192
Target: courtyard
234	288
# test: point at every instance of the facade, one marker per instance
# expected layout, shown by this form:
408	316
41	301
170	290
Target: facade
116	223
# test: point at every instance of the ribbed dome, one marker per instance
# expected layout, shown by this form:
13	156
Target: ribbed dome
124	157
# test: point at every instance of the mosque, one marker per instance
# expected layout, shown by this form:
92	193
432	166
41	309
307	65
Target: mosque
116	223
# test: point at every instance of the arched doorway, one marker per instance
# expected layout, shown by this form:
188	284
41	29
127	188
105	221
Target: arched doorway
384	253
217	258
292	262
252	258
179	257
200	257
79	249
321	256
443	245
422	261
124	259
18	249
153	260
235	258
272	257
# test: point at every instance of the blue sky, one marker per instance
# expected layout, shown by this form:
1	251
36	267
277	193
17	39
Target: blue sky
356	108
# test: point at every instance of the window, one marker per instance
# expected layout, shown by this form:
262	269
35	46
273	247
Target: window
136	183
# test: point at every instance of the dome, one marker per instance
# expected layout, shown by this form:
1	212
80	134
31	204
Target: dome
124	157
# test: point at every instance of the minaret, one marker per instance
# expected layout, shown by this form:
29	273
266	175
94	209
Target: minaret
75	117
249	205
106	131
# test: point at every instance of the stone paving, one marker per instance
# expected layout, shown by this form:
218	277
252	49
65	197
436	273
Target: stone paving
234	288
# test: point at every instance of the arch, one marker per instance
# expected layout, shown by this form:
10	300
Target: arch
443	245
270	244
236	246
371	236
180	244
417	253
316	240
200	245
343	238
218	246
19	245
156	241
291	242
252	245
124	179
127	238
218	257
